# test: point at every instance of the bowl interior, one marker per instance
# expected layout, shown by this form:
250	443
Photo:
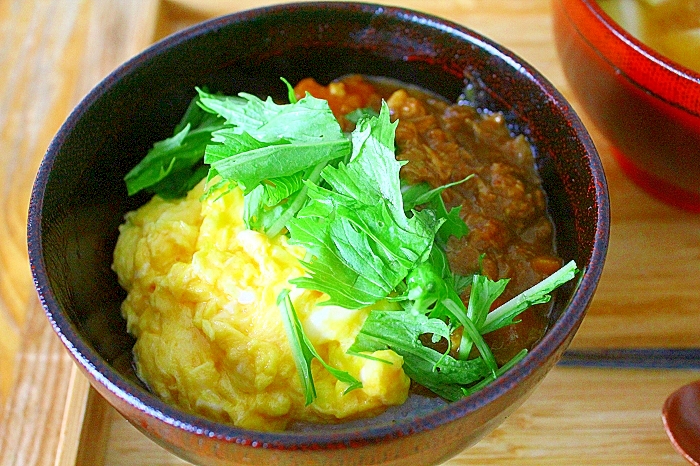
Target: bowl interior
80	198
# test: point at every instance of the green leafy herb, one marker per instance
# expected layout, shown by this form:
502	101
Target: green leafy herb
400	331
276	146
445	375
360	113
265	140
362	244
484	292
242	158
491	377
291	95
422	194
173	166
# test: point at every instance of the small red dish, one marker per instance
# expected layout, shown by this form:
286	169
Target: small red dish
681	418
647	105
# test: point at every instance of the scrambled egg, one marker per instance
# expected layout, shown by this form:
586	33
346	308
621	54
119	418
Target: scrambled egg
201	303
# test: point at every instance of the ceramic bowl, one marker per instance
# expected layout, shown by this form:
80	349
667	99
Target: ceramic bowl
645	104
79	200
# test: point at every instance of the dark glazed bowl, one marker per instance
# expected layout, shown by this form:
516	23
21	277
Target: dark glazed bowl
79	199
647	105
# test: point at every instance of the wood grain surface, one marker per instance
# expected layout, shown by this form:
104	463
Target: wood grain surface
52	52
604	425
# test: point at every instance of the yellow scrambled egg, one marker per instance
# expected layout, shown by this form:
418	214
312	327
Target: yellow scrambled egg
201	301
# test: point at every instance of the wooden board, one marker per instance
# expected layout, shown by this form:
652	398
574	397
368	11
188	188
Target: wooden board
576	417
53	51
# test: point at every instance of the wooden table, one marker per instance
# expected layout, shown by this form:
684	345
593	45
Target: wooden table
53	51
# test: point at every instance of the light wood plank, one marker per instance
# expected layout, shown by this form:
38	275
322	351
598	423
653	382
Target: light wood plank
94	435
52	53
30	426
35	42
594	417
74	419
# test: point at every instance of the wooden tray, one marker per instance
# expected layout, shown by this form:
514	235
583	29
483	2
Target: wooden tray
54	51
576	417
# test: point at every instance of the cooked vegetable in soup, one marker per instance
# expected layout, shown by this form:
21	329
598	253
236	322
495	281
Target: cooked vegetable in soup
318	261
672	27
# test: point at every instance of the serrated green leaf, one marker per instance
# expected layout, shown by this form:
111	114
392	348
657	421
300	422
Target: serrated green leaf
400	331
174	164
247	161
422	194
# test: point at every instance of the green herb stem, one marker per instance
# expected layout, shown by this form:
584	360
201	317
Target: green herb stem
303	351
537	294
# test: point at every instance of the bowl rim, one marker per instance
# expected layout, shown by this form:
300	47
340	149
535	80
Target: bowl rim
547	351
603	30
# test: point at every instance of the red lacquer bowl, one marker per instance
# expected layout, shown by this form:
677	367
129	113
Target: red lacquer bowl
647	105
79	200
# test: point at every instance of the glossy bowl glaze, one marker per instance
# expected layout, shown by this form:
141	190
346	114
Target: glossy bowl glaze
645	104
79	200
